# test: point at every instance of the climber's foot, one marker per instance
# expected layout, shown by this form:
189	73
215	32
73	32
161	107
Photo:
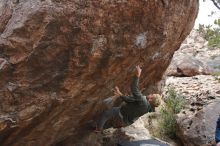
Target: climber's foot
98	130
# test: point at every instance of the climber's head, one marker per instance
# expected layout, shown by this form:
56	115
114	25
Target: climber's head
154	100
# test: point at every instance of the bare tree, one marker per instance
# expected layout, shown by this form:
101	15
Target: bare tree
216	3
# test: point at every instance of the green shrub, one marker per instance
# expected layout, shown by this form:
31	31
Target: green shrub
174	102
211	34
216	74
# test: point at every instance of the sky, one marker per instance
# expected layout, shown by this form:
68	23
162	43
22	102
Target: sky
205	9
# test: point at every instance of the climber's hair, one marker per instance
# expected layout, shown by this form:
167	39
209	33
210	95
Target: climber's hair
156	101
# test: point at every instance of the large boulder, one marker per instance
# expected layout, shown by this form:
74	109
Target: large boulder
65	56
198	129
186	65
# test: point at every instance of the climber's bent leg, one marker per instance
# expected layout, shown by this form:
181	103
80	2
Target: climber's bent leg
113	112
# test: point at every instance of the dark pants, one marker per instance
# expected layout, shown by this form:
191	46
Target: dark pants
112	114
217	132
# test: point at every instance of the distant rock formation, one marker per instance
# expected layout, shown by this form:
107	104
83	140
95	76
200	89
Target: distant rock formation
196	124
185	65
194	58
58	58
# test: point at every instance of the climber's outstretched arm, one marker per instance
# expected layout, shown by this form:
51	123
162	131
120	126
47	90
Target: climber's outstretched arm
127	98
135	83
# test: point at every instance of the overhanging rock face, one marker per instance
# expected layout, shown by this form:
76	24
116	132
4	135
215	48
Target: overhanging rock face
59	58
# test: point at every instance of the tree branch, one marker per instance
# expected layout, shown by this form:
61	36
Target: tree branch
216	4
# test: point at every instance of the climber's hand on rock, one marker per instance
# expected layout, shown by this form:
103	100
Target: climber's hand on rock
117	92
138	71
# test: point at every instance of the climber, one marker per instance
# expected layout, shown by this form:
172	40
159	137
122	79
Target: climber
134	107
217	132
